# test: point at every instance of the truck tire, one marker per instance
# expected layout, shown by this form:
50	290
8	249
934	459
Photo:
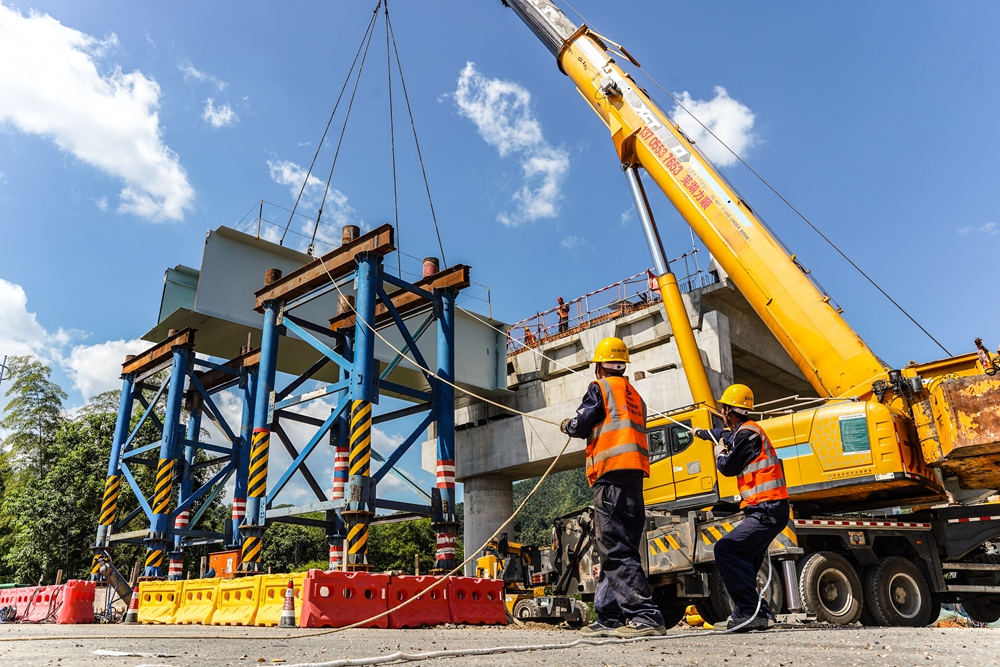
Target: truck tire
897	594
580	615
866	618
935	613
670	607
525	610
722	604
830	588
983	610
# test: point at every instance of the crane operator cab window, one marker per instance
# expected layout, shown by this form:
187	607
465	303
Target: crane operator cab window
668	441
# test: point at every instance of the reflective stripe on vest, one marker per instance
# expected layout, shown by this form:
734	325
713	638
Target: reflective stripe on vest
619	442
763	479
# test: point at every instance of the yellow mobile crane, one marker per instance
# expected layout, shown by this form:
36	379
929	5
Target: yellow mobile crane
879	437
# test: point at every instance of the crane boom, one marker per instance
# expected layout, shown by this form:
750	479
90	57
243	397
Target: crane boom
834	359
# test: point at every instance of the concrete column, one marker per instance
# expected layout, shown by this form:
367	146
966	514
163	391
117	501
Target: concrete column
489	501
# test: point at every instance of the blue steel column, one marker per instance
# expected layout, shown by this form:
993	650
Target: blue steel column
241	455
112	485
253	527
181	521
443	516
337	532
159	530
360	501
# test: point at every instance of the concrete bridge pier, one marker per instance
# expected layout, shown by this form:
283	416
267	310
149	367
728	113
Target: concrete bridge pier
489	501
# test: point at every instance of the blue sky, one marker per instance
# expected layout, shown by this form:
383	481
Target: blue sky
128	129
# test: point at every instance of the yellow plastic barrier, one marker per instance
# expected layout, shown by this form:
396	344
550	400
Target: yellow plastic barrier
158	601
272	597
237	601
198	600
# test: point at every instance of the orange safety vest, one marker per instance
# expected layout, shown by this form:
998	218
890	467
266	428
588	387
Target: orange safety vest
619	443
763	479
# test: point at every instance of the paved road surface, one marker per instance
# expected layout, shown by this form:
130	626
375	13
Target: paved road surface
196	646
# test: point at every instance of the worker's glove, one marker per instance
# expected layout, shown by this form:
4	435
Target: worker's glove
563	425
719	450
702	433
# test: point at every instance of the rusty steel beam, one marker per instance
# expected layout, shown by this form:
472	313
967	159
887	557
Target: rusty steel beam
159	353
336	262
212	378
455	277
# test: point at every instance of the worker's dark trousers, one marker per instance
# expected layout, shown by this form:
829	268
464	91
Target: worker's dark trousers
622	590
741	552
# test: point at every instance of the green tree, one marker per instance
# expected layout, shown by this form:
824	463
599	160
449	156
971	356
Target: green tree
33	415
287	547
52	519
561	493
391	546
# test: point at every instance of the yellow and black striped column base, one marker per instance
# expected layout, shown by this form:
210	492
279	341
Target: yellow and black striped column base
253	542
154	559
109	506
164	486
259	450
358	514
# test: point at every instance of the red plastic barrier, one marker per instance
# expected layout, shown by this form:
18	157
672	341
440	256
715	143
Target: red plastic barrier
77	602
9	598
476	601
39	604
336	599
431	608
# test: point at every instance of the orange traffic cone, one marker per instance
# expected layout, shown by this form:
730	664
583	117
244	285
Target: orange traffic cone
132	615
288	611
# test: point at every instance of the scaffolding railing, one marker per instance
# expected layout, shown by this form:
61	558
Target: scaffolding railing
626	296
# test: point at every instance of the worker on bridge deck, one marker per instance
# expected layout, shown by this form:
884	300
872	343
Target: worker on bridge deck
563	312
612	417
745	452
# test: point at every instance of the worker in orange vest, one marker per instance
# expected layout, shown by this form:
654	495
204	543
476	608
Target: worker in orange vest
612	417
563	312
745	452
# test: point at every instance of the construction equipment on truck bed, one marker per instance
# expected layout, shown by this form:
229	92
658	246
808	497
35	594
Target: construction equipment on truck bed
526	594
874	437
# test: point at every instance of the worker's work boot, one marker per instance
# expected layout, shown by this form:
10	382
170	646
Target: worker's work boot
596	629
745	624
634	629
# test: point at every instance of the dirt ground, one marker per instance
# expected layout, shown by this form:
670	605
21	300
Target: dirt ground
197	646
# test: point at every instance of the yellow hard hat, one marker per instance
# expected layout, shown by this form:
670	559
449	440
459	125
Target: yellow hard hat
738	396
611	349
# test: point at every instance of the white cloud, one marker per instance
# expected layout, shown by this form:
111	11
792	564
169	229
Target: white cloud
627	215
964	230
573	241
92	368
101	203
51	85
990	228
501	111
193	74
97	368
222	116
728	119
336	211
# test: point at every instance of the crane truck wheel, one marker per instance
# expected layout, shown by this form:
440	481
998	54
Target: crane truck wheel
722	605
897	594
982	611
830	588
525	610
867	619
668	604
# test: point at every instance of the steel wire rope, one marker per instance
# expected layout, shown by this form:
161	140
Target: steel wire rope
416	141
343	130
319	147
780	196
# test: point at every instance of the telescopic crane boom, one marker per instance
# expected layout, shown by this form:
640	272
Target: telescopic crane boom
950	406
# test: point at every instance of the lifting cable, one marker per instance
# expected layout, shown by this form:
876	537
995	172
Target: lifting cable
780	196
392	145
409	110
305	181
